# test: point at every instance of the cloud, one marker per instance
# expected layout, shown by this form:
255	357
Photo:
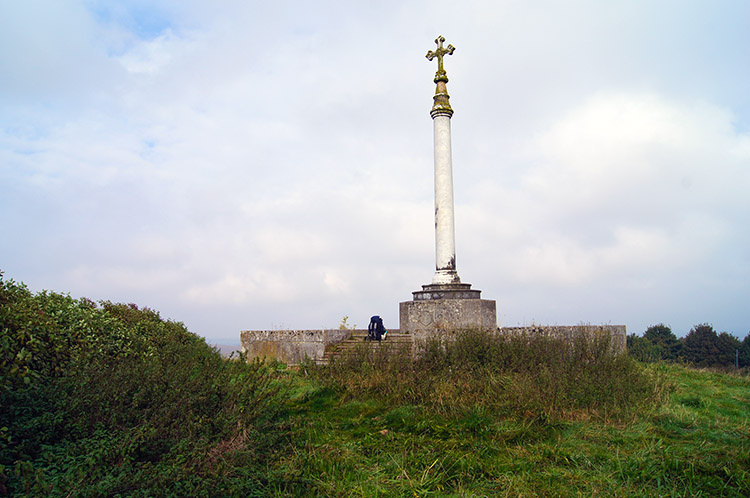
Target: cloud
629	191
149	56
246	165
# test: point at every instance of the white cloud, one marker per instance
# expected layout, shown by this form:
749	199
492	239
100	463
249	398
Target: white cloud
624	191
243	165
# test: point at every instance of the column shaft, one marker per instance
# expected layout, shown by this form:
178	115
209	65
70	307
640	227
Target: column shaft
445	238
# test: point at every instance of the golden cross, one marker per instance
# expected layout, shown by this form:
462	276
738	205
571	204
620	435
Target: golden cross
439	53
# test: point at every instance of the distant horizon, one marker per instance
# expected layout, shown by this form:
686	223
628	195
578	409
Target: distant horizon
236	342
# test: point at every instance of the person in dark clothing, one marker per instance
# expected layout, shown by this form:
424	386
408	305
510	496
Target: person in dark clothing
376	331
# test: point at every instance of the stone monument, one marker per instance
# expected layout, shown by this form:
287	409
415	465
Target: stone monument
446	304
443	306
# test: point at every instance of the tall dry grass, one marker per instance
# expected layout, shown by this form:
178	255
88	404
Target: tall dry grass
531	375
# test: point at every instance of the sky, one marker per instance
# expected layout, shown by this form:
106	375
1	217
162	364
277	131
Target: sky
268	165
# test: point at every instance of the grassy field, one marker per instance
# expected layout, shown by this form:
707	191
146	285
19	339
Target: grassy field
694	442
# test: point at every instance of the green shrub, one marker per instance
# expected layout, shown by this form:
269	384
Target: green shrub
111	400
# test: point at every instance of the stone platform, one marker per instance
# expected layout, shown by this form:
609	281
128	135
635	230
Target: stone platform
293	346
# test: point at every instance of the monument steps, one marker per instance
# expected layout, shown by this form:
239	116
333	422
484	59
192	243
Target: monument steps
357	341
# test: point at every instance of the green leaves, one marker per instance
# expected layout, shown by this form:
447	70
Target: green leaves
109	399
701	347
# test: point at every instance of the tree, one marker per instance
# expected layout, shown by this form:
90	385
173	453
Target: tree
700	346
728	346
666	343
745	351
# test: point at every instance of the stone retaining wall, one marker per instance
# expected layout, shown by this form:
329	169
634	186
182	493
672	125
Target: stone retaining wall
618	332
292	346
289	346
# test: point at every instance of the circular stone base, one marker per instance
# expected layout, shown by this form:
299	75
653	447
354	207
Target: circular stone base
446	291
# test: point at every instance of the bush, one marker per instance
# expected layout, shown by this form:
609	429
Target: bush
111	400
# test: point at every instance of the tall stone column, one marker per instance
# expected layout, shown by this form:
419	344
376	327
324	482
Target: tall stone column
445	233
446	304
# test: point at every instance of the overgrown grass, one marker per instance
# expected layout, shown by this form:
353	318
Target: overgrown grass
530	375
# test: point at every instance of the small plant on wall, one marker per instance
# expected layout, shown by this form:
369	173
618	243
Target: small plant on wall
345	325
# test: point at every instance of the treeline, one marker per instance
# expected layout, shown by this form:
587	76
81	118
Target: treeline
701	347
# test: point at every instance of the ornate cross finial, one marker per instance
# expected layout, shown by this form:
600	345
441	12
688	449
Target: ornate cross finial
441	106
439	53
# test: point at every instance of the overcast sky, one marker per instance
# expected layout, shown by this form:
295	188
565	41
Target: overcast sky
268	165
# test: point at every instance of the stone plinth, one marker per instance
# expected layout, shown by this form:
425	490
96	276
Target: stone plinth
446	308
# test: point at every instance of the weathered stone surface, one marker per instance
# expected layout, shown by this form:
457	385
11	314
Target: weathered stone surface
445	238
430	316
421	320
618	332
290	346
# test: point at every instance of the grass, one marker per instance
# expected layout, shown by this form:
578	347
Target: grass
522	375
695	441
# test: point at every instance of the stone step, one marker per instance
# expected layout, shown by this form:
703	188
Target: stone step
348	345
357	340
390	332
388	338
